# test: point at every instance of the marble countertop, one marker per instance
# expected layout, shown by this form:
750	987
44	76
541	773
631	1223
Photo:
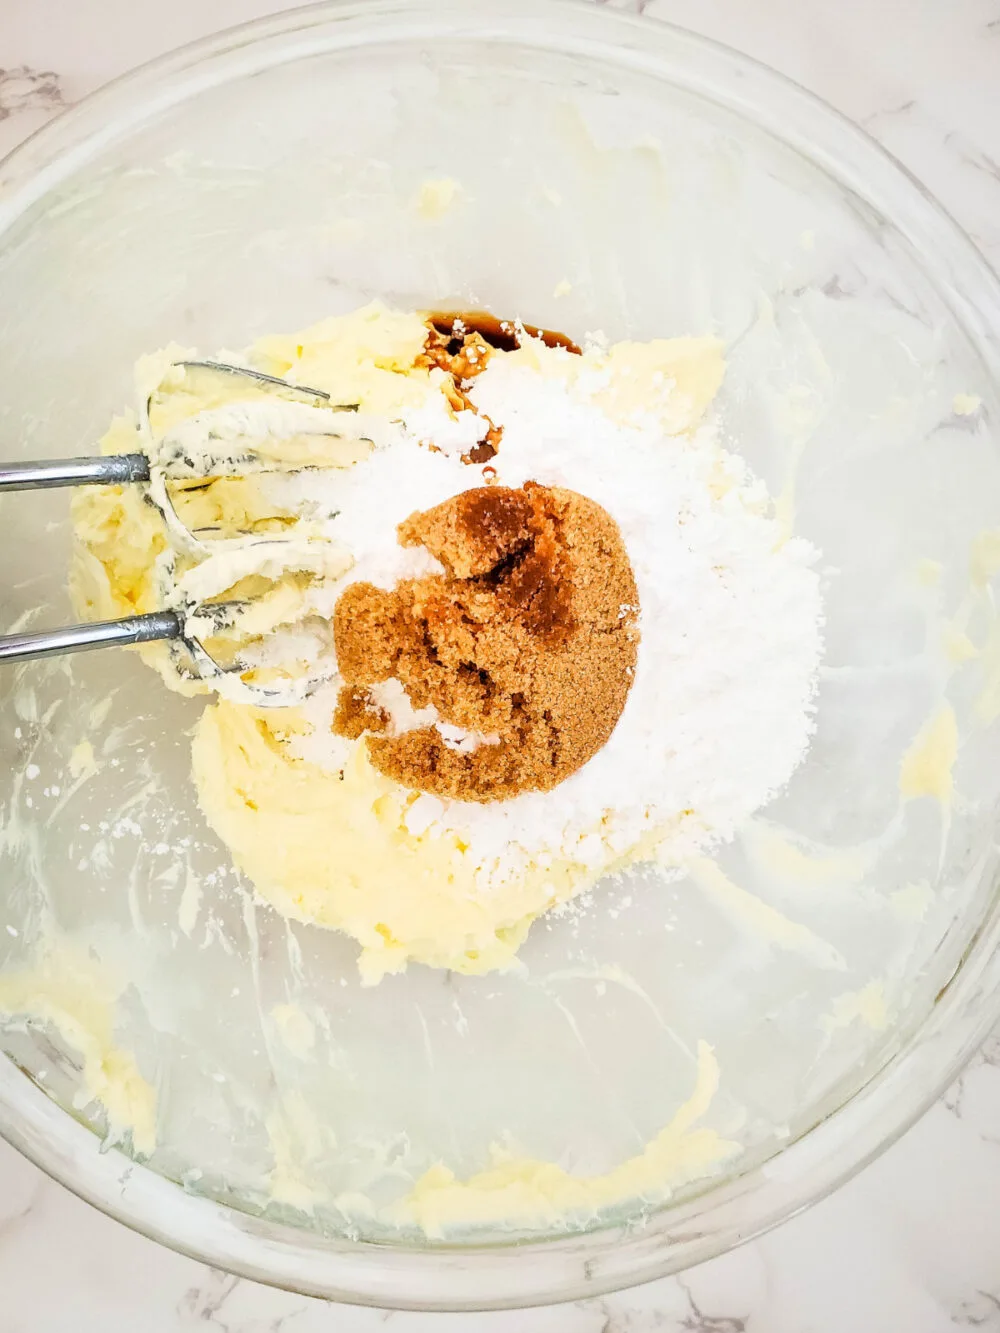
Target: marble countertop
912	1245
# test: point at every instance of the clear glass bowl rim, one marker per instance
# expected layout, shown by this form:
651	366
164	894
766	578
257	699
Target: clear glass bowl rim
925	1061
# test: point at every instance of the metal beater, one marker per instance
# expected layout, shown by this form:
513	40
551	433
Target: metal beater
164	460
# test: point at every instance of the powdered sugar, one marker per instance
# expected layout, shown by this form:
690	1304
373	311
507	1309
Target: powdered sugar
390	695
466	742
453	433
361	508
318	744
720	710
392	698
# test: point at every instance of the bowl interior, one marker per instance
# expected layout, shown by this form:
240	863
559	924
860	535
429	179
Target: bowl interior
589	196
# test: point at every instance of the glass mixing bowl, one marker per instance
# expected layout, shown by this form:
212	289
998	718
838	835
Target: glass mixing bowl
612	174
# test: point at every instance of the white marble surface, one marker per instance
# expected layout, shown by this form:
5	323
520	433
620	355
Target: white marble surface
910	1246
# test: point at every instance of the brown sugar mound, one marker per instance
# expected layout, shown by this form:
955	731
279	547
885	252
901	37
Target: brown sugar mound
528	641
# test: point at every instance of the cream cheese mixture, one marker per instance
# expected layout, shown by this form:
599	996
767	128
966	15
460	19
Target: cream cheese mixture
346	807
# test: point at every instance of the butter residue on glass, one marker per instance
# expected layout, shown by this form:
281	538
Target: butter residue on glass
520	1191
70	991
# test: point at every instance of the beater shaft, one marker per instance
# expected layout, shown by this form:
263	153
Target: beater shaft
114	469
81	638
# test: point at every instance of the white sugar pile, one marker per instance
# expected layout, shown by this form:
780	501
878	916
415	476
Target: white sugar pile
720	710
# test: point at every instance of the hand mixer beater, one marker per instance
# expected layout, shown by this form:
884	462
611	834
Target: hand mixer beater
237	439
